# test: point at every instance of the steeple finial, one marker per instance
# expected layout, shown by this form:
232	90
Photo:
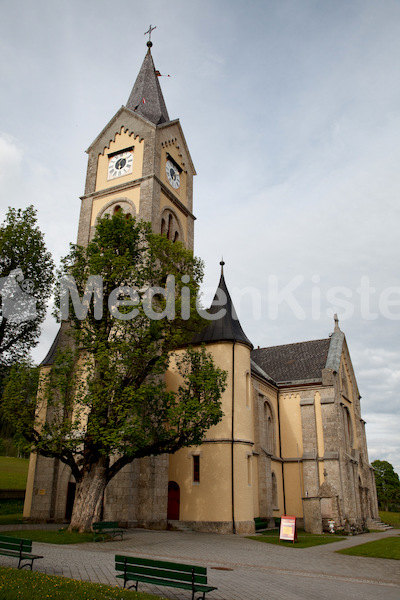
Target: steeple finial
337	328
150	29
146	98
223	325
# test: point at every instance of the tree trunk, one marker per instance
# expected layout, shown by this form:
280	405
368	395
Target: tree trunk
89	497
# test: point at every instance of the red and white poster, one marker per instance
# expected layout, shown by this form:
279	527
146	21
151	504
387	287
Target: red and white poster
287	530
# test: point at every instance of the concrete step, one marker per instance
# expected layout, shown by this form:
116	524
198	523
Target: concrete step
179	526
376	524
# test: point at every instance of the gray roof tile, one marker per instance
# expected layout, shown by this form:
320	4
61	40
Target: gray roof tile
146	98
227	328
293	362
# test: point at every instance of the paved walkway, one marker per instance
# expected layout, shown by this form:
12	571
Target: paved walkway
242	569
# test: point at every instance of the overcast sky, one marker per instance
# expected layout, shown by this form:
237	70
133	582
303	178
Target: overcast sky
291	110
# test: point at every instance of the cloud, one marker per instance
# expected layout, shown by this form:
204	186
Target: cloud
290	111
383	437
11	157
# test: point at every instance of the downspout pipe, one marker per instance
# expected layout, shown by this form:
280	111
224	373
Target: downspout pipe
233	440
280	455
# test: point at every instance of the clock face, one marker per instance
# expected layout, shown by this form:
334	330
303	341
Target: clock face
172	174
120	164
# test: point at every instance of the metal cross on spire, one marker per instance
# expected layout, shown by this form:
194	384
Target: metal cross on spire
150	29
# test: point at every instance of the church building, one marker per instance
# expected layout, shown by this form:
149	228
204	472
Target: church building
292	439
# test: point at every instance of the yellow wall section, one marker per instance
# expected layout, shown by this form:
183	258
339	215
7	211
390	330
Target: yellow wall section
294	489
292	441
29	486
132	194
181	191
210	499
122	141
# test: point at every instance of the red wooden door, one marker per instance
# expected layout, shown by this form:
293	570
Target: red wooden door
173	501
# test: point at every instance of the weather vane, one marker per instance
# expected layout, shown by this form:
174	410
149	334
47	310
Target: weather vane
150	29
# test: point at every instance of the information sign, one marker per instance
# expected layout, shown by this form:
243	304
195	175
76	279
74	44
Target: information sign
287	530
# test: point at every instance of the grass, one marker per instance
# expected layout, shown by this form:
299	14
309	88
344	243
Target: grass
391	518
12	519
13	473
304	540
384	548
44	536
11	512
28	585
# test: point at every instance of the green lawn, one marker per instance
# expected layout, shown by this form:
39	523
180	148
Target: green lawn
11	511
51	537
304	540
391	518
13	473
11	519
28	585
385	548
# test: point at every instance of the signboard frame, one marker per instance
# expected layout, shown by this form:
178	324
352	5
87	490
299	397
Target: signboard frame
288	529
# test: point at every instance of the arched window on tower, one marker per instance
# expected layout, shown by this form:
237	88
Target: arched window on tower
170	226
117	209
169	232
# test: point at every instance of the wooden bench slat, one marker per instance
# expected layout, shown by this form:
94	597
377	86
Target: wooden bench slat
168	583
103	528
132	560
19	548
162	573
105	525
13	541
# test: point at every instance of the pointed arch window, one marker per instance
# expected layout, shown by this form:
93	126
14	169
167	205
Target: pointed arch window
348	428
274	490
345	390
269	425
170	226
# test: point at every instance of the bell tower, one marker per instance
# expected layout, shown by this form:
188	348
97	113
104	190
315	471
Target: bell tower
140	164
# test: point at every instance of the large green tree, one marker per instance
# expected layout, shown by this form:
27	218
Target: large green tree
26	278
107	402
22	379
387	484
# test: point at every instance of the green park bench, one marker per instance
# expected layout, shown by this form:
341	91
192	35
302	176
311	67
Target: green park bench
20	548
159	572
103	528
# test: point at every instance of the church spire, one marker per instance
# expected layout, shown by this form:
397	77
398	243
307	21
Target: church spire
227	328
146	98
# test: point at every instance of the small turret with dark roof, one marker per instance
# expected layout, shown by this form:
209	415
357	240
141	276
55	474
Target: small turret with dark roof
146	98
227	327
